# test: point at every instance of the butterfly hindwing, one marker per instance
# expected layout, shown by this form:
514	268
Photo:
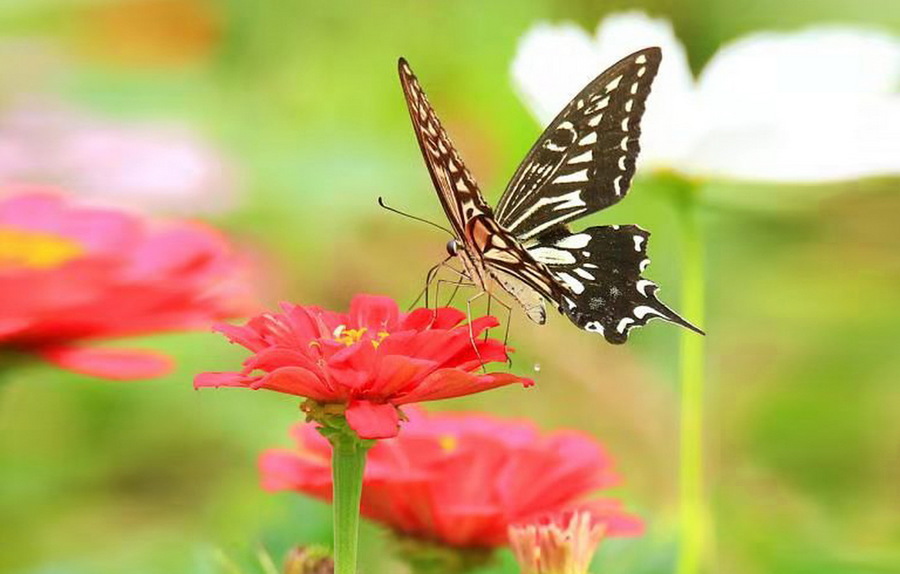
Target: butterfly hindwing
530	300
602	266
585	159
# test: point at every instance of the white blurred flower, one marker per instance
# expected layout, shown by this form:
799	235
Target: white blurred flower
812	106
151	167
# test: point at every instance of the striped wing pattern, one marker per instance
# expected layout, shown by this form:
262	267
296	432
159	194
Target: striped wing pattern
585	159
457	190
601	267
583	162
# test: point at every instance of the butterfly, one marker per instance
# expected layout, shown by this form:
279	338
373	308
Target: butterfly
582	163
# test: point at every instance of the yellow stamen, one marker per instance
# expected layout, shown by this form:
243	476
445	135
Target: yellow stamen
381	337
22	248
349	336
448	443
353	336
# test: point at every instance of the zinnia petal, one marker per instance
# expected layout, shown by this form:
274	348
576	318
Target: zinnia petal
610	513
362	361
276	357
353	367
215	380
303	322
69	278
443	477
296	381
282	470
451	383
373	312
114	364
372	421
440	318
396	372
244	336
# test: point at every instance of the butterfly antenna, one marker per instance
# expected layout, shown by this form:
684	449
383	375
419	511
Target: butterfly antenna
404	214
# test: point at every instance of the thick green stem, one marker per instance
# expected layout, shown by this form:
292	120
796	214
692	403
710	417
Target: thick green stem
347	465
693	513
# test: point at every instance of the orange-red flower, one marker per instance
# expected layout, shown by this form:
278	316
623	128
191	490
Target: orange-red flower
372	359
71	274
462	479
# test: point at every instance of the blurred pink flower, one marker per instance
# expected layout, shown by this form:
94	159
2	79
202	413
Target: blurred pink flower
71	274
462	479
371	360
559	543
157	167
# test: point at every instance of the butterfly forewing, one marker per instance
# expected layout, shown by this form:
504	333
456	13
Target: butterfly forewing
585	159
457	190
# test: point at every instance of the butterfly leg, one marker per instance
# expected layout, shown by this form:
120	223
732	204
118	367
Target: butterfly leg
469	302
432	278
460	282
508	321
457	284
489	299
429	279
509	362
462	279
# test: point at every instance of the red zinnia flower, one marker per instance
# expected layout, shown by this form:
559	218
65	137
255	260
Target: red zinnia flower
372	359
71	274
462	479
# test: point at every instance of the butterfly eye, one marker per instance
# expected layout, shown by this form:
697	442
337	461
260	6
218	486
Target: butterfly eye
453	247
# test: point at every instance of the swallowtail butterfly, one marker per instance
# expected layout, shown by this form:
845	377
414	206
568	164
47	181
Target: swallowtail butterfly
582	163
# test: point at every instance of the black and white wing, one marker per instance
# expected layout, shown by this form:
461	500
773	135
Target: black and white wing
601	268
582	163
457	190
585	159
472	219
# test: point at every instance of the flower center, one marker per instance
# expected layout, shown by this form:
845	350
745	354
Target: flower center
351	336
448	443
21	248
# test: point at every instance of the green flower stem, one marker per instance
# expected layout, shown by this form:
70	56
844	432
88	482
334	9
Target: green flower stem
693	512
10	362
347	465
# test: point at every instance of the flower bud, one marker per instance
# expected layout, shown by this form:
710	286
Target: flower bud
309	560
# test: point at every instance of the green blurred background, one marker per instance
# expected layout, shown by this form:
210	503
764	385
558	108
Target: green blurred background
302	97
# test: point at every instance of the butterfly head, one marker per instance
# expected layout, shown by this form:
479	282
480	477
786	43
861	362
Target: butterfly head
453	247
